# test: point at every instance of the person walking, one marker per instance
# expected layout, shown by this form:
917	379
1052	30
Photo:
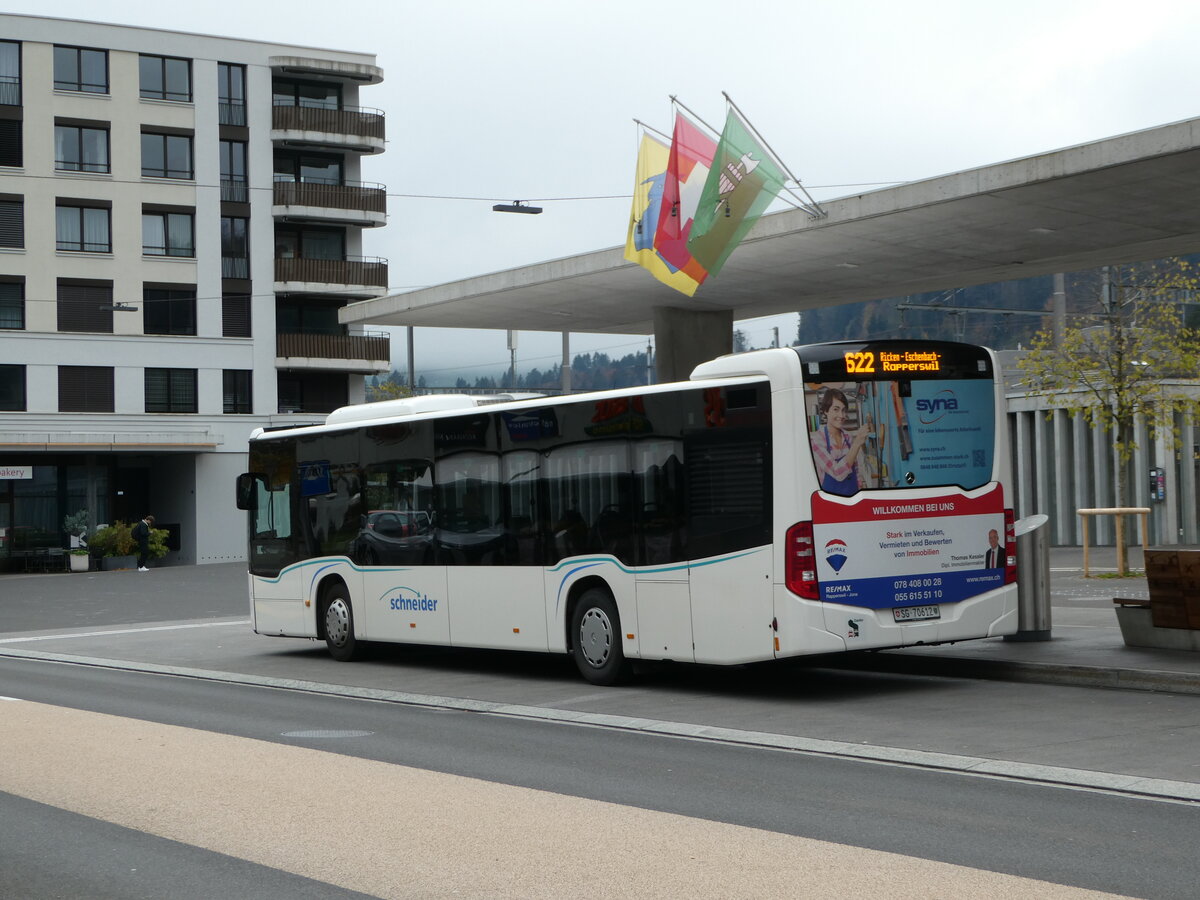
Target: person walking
141	534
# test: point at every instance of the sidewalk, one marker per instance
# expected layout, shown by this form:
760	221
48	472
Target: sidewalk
1085	648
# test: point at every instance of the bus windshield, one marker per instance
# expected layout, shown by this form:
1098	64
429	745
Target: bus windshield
898	414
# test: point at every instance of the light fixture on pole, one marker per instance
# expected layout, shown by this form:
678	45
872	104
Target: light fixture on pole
517	206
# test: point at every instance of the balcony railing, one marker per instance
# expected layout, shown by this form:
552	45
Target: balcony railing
366	123
369	271
365	197
232	112
10	90
235	267
235	191
334	346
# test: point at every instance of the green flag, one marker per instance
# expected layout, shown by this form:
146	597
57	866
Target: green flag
741	184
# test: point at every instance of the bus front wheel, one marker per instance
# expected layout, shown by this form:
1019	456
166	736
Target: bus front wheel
339	626
596	639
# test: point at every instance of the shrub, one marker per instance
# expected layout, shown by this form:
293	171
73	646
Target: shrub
117	540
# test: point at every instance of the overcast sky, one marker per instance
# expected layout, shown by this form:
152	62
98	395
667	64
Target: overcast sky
535	99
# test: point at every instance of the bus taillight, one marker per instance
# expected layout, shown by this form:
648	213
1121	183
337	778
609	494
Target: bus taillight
1010	548
800	570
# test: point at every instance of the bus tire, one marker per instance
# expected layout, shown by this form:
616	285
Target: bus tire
596	639
339	626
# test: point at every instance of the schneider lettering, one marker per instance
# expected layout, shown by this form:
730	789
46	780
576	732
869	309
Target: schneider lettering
414	604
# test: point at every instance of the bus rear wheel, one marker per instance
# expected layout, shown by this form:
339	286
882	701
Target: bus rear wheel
596	639
339	626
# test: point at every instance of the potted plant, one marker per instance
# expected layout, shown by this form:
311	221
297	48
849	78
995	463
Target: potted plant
76	525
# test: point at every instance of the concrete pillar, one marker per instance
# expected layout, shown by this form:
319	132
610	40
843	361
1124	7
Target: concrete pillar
1102	459
685	338
1043	451
566	362
1064	479
1186	499
1083	499
1026	464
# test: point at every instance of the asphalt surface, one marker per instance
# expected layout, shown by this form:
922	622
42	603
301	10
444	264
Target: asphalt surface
1085	646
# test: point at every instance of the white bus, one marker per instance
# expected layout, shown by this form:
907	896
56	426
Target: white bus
782	502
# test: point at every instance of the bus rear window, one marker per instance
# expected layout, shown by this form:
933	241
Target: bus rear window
932	423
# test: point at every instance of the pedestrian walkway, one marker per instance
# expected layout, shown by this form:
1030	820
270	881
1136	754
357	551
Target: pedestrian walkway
1085	648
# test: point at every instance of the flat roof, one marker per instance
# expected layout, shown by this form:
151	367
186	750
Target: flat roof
1121	199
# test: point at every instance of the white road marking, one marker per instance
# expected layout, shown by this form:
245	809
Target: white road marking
82	634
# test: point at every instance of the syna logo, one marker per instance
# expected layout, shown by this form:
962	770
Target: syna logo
932	409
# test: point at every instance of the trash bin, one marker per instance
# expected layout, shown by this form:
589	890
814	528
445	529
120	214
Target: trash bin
1033	579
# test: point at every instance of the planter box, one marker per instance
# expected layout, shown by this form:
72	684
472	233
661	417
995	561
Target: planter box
112	563
1138	630
79	563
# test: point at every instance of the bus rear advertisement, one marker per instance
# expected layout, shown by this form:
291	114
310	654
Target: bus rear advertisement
782	502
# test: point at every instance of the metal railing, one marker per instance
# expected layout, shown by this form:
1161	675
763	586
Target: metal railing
235	267
365	197
370	271
374	346
235	191
232	113
10	90
350	120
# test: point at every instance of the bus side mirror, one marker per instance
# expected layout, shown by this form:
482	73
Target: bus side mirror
247	489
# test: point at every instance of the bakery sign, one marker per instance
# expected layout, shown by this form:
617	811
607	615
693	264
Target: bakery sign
16	473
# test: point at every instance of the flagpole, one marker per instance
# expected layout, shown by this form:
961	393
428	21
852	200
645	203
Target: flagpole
655	130
813	208
679	102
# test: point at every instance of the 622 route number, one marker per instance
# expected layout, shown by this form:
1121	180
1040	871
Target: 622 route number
862	362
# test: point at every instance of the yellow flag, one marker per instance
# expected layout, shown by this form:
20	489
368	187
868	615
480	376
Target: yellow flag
643	217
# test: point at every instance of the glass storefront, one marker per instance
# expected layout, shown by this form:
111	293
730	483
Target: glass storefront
37	493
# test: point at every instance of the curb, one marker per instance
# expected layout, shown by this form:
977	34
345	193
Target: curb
1030	672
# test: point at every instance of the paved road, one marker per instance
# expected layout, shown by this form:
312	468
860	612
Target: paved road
192	621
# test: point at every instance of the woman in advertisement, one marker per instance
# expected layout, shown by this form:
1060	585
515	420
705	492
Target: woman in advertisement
836	450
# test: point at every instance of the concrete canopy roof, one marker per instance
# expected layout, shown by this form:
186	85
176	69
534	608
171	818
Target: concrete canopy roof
1122	199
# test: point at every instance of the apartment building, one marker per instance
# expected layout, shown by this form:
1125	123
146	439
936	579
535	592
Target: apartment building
181	217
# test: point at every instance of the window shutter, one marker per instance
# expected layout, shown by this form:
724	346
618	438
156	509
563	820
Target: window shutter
79	307
10	143
85	389
235	315
12	223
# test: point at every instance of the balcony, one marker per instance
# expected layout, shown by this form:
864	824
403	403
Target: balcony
355	277
364	354
326	69
350	128
363	205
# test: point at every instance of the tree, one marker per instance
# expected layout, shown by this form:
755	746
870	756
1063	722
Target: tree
1132	361
387	390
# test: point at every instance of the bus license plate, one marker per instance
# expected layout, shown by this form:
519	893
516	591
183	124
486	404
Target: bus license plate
916	613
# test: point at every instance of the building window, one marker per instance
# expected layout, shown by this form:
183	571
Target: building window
168	234
235	247
309	243
235	315
12	388
12	304
233	172
10	143
165	78
10	73
166	156
85	389
81	69
231	93
311	168
79	148
83	228
170	390
236	397
85	306
12	223
169	310
310	94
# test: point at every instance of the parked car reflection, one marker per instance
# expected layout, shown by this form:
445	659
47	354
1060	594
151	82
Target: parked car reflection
394	537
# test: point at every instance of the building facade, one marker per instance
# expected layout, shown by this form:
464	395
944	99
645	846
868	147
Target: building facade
181	217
